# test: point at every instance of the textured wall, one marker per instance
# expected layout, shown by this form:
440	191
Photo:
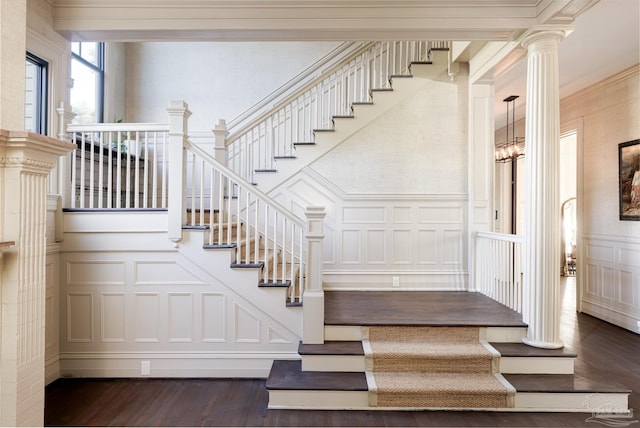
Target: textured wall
605	115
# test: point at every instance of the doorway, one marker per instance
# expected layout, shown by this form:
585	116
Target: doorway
568	205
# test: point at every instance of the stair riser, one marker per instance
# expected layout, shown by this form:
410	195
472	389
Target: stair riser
319	400
490	334
536	365
507	365
333	363
588	403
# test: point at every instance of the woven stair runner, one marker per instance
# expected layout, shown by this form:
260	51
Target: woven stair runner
433	367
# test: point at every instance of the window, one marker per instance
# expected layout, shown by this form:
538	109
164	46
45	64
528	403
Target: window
87	72
35	101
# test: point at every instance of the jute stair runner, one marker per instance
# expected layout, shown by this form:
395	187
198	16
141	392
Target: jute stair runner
433	367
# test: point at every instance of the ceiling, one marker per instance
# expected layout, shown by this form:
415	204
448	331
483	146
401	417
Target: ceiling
606	40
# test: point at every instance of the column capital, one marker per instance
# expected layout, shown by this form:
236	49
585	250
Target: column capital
545	33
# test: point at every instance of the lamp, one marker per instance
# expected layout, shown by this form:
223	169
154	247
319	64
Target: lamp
512	148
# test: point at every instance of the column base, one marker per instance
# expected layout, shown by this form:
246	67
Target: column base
542	344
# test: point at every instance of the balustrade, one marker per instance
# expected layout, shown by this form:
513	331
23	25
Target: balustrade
498	268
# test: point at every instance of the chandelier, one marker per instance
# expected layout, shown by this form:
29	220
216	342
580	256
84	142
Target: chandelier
513	147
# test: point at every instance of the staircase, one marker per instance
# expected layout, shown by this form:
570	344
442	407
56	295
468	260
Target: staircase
276	269
336	375
327	111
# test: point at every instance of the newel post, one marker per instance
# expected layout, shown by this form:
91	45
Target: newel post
313	309
220	150
65	116
220	133
178	132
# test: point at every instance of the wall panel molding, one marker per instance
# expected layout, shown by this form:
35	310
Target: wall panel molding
612	279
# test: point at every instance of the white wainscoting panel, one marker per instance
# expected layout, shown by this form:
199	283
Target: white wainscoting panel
79	317
369	239
182	309
113	313
611	279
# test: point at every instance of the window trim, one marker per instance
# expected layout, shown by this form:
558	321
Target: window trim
41	113
99	69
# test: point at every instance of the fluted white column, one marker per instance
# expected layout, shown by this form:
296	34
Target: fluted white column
542	205
25	162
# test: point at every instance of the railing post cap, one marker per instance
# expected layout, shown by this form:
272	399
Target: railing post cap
316	211
179	106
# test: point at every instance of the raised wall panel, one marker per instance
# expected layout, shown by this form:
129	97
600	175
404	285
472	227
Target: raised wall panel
591	279
351	246
214	317
600	253
79	317
329	246
96	272
163	272
629	257
247	325
452	247
440	215
401	247
113	317
627	290
363	215
376	246
427	246
402	215
146	317
608	292
275	336
180	315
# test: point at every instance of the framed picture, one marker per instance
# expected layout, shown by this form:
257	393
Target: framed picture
629	173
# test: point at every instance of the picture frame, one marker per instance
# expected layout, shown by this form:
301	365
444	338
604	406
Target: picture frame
629	180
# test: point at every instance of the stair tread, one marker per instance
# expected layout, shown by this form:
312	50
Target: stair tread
522	350
562	383
332	348
288	375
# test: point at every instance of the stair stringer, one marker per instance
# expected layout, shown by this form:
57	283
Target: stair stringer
345	127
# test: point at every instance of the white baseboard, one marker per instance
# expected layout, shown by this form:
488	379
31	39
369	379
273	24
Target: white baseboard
166	365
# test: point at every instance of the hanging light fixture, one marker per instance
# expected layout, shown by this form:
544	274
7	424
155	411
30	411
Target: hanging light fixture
513	147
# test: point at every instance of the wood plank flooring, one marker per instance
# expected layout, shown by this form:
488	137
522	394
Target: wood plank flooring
604	351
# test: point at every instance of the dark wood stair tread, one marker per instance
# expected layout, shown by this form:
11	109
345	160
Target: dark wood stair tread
435	308
288	375
332	348
522	350
304	143
562	383
277	284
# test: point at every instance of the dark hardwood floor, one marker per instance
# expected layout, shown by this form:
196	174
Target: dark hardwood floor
604	351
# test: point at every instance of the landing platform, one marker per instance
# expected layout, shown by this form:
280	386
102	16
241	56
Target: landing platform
435	308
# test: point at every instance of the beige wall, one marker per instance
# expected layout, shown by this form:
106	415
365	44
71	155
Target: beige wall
606	115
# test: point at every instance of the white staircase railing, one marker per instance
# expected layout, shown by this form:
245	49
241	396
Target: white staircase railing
119	165
155	166
498	268
257	145
241	216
